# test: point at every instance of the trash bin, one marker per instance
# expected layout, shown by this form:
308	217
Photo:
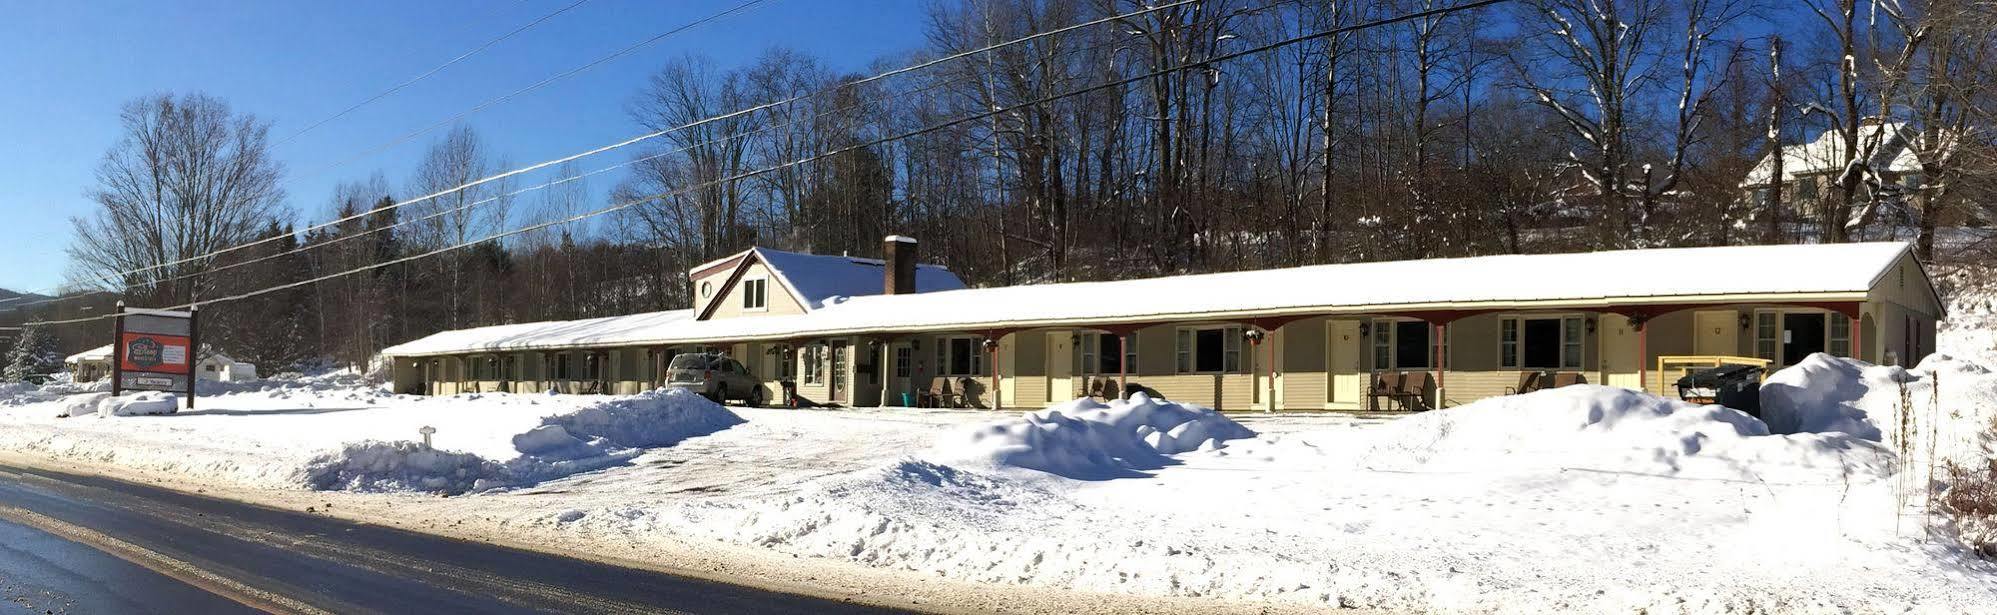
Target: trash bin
1733	386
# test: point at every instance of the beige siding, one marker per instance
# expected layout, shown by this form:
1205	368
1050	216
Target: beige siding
780	301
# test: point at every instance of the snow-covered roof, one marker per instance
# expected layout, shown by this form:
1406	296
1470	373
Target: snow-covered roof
818	278
1582	280
546	334
1826	152
103	354
100	353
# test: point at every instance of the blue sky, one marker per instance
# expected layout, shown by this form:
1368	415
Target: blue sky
68	66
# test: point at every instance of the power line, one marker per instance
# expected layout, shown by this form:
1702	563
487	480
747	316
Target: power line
426	74
537	85
571	178
917	132
116	277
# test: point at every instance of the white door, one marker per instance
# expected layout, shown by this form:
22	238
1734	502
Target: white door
1717	333
1347	382
1619	353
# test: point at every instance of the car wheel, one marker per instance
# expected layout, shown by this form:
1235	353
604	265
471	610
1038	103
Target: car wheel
720	395
758	397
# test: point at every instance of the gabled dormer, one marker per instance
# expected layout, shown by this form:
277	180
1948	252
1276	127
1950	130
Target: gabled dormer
762	281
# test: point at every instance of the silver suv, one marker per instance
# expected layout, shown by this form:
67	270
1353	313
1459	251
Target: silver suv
716	377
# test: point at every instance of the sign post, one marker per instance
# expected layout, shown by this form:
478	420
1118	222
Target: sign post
155	350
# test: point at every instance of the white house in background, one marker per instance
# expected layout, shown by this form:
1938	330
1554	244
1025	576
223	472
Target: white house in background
95	363
1810	170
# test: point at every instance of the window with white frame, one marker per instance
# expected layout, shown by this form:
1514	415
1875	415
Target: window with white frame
755	294
1401	344
814	364
960	356
786	367
1098	354
1767	335
1209	350
1839	335
1541	343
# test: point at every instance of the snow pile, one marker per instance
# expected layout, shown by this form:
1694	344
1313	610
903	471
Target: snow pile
650	419
1088	439
1940	408
1821	394
1608	429
144	403
599	435
398	466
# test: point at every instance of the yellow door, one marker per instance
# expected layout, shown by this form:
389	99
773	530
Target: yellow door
1342	360
1619	353
1717	333
1060	366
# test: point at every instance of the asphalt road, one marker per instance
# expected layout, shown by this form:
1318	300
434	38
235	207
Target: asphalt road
85	544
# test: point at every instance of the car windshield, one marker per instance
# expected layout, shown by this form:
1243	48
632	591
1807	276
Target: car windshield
691	361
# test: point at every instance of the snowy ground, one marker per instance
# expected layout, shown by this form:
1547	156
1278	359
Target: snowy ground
1581	499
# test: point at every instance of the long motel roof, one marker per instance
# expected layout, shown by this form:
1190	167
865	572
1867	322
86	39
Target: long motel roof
1821	273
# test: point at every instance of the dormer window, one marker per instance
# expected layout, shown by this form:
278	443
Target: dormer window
755	294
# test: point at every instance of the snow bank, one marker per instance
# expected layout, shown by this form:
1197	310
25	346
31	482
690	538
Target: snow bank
1608	429
603	434
398	466
131	404
1940	408
1092	440
1821	394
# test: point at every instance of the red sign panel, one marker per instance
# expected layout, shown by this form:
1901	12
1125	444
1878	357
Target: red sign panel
159	354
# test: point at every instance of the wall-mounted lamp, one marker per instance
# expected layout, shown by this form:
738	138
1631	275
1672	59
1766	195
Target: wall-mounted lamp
1745	321
1590	323
1365	329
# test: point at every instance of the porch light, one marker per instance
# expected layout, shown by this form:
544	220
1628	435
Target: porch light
990	344
1365	328
1254	336
1590	323
1745	321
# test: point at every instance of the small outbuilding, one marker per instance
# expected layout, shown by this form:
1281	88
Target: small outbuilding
93	364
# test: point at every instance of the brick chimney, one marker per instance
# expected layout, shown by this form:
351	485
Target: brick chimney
899	252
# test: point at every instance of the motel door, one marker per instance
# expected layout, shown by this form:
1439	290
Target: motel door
839	372
1060	367
1619	352
1348	382
1717	335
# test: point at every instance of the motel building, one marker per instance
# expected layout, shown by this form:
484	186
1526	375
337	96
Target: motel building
1405	335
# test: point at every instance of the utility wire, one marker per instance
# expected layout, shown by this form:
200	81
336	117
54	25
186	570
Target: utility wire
116	277
537	85
426	74
885	97
917	132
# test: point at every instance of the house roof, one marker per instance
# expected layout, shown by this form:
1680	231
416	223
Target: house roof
103	353
814	279
1824	154
1533	281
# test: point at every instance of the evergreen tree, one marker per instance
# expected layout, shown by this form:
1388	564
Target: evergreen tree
34	353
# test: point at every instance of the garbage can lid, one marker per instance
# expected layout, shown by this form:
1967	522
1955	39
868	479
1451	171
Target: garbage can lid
1713	376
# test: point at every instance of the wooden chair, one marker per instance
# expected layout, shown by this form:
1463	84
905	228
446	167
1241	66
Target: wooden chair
1561	379
1384	385
1413	394
945	397
1528	382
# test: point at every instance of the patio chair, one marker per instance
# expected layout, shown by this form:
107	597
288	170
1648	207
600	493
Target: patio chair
1561	379
1384	385
1528	382
945	397
1413	393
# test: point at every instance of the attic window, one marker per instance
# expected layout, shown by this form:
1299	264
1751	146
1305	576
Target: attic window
755	294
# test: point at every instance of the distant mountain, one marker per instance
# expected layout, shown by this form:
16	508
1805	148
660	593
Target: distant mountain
8	295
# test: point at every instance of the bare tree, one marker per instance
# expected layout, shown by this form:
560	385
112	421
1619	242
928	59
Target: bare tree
188	177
